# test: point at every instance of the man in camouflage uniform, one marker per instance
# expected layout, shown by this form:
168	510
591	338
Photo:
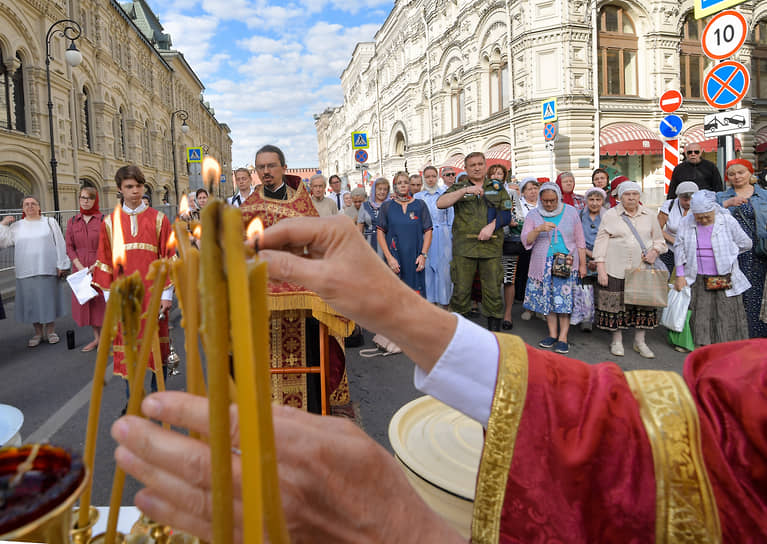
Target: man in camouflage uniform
477	239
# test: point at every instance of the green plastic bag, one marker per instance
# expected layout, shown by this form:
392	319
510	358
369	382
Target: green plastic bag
684	338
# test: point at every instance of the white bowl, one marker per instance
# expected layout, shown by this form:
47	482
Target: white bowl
11	420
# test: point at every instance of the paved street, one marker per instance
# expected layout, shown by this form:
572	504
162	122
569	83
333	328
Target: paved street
51	385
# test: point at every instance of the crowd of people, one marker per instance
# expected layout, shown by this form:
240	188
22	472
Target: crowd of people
487	236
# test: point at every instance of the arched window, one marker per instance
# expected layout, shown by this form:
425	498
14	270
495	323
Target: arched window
457	105
499	91
617	53
86	119
759	59
399	145
5	95
19	110
692	62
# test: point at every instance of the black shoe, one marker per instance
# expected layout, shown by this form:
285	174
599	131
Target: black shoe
507	325
125	409
494	324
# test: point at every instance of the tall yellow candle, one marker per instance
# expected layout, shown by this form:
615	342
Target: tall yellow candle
244	372
274	518
131	291
215	331
109	328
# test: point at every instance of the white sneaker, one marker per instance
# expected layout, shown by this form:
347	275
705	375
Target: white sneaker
527	315
617	349
644	351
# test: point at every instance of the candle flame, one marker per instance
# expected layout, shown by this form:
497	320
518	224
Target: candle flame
197	232
118	241
183	206
172	241
211	170
255	228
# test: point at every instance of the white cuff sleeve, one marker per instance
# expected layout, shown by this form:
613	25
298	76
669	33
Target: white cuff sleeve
106	295
464	377
167	293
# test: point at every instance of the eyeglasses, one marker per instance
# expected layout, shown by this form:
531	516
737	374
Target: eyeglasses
87	198
448	174
694	152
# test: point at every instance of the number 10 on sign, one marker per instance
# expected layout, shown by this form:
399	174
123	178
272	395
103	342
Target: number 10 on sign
724	35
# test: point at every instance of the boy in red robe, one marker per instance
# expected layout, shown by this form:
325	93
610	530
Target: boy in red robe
146	232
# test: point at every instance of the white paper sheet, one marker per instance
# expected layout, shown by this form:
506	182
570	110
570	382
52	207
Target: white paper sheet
80	282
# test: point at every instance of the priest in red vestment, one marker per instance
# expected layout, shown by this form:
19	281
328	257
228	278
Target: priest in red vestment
146	232
573	452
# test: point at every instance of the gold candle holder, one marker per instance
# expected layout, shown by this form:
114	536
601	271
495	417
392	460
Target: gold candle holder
101	538
81	535
160	533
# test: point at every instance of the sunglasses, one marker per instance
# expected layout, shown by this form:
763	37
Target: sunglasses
448	174
694	152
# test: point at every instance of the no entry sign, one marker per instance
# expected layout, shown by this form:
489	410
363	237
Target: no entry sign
670	101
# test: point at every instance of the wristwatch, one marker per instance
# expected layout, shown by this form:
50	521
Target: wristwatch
424	255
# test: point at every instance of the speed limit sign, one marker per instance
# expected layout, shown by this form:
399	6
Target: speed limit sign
724	34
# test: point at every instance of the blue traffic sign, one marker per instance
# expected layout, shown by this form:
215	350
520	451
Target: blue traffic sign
704	8
671	126
726	84
361	155
360	140
193	154
549	111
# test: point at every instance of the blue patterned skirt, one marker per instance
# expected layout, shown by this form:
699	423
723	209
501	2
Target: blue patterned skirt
552	294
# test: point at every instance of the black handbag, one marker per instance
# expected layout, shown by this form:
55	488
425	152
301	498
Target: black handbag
560	267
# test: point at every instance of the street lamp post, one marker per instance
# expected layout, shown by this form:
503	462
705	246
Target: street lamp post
71	31
184	128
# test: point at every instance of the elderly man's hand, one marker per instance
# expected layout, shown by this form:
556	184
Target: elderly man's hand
337	485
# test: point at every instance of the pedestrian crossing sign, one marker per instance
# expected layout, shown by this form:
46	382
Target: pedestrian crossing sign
704	8
549	111
193	154
360	140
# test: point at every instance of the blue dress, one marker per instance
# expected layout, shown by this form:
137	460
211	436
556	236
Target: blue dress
754	267
439	284
404	238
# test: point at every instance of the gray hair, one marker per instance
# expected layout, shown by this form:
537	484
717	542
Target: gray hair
318	176
359	191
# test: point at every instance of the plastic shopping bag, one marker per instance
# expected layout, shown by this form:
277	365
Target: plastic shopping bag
675	313
583	304
683	339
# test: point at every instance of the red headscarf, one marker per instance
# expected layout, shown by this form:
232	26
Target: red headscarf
567	198
614	189
742	162
94	209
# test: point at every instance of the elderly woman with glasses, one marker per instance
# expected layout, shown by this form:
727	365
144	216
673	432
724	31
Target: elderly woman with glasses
616	249
554	233
41	259
82	246
670	216
747	203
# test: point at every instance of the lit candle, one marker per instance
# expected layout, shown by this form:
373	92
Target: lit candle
248	405
158	271
109	328
215	332
274	518
211	172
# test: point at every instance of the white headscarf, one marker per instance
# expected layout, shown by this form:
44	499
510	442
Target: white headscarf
703	202
628	186
549	186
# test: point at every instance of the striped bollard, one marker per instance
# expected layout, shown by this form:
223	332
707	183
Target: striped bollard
670	159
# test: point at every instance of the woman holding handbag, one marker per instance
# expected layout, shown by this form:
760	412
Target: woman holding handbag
41	260
708	242
553	231
616	250
747	203
82	245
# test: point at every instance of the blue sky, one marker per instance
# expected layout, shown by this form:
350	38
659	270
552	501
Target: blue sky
268	66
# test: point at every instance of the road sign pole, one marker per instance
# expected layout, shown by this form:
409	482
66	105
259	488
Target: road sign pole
670	159
551	152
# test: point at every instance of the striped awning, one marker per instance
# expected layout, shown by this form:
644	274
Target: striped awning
695	134
499	154
760	140
628	139
456	161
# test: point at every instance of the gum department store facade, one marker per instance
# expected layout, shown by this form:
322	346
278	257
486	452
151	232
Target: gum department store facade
113	109
447	77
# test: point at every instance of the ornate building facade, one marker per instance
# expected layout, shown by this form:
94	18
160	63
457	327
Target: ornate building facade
113	109
443	78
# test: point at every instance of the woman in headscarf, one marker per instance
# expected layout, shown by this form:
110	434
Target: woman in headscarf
601	178
613	193
747	203
512	245
528	200
553	231
41	259
82	245
439	285
616	250
706	251
566	183
367	220
670	216
404	234
591	218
